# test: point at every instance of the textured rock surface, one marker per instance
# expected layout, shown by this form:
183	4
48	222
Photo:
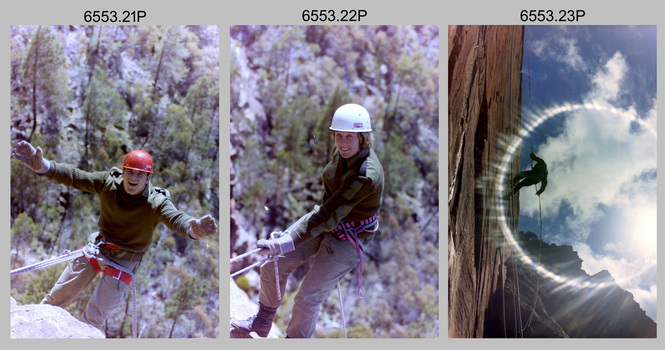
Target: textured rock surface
242	307
47	321
484	100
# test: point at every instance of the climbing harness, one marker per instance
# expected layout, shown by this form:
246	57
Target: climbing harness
349	231
91	252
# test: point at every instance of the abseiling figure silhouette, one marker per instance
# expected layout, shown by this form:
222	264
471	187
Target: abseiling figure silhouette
538	174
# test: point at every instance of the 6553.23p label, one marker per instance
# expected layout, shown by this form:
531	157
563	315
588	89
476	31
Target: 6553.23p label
551	15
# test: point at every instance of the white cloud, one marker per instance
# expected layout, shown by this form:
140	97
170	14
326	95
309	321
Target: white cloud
538	47
608	81
570	55
562	50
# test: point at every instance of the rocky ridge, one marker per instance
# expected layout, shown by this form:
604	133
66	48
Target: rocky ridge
47	321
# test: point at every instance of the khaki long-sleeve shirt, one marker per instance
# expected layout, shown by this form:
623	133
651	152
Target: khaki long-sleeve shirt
353	191
125	221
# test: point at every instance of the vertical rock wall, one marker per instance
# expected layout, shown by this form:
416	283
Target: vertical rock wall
484	103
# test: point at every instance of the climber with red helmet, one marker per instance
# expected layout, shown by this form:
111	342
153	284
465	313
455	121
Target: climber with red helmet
130	210
333	234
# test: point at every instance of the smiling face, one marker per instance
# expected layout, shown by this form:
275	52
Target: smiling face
134	181
348	143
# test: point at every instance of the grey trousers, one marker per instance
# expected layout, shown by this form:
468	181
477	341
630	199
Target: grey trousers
332	260
108	295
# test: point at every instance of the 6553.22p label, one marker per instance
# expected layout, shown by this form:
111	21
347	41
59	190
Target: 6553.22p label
333	16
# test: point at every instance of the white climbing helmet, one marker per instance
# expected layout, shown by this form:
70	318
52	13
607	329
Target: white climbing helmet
351	118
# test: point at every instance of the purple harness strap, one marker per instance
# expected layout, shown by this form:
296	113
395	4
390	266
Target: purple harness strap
348	231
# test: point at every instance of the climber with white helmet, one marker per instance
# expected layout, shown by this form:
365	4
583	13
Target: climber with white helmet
333	233
131	208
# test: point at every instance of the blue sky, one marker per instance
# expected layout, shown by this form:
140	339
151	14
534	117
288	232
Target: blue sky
601	195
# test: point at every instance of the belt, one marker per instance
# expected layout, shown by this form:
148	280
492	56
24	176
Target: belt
116	252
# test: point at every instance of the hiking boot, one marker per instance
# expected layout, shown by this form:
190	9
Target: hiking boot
259	323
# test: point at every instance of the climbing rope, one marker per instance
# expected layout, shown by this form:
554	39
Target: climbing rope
540	212
341	307
517	306
66	256
540	245
91	251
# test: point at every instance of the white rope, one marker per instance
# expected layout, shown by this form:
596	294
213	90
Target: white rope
67	255
341	307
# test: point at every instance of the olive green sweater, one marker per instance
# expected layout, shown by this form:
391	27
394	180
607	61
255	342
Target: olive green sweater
353	191
125	221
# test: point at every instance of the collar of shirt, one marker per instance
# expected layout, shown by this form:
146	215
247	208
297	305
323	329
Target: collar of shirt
354	161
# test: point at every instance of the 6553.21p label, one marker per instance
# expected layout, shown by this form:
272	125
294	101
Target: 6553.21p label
111	16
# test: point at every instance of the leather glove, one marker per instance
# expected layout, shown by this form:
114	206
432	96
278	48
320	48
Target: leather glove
279	243
31	157
203	227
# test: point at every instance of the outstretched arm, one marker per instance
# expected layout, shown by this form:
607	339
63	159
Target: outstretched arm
31	157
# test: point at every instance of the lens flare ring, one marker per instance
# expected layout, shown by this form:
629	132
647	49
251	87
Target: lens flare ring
534	121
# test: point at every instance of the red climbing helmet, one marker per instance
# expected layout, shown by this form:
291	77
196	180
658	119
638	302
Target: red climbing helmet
138	160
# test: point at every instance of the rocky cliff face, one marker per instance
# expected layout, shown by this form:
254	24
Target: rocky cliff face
47	321
484	103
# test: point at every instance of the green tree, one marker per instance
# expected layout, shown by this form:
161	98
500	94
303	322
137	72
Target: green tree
102	108
183	300
22	232
168	65
45	80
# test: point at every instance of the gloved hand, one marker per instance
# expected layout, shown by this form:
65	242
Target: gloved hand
31	157
203	227
279	243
